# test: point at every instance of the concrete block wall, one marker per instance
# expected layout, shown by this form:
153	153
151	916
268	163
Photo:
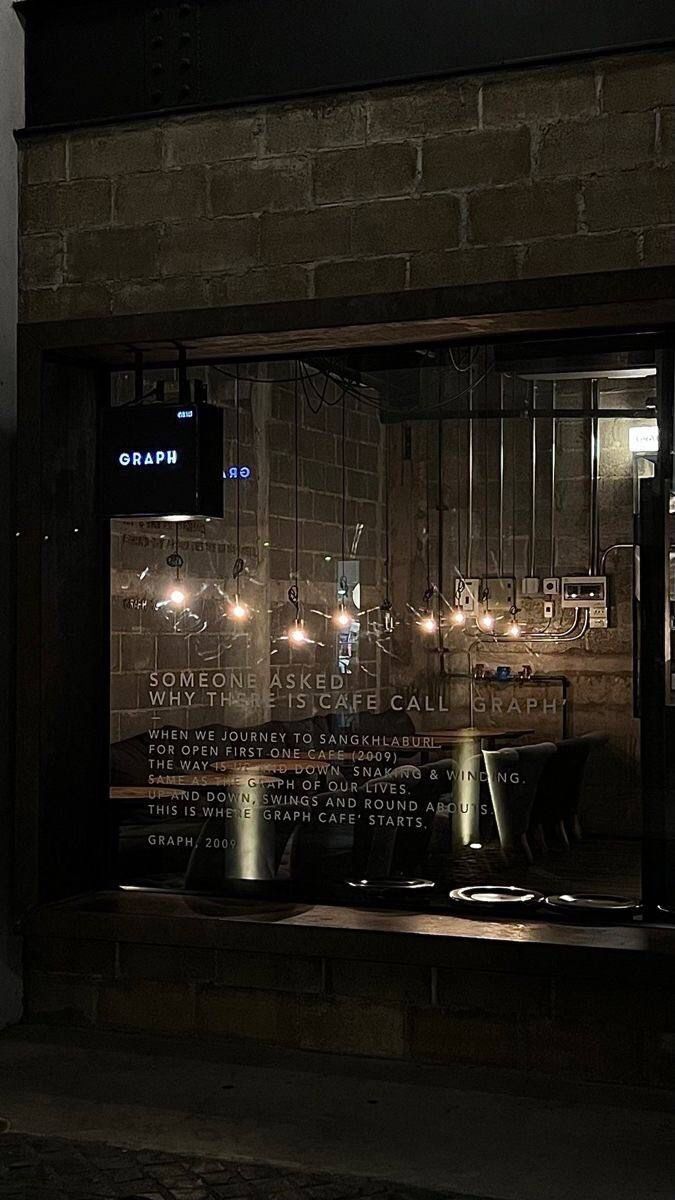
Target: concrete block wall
538	172
475	1005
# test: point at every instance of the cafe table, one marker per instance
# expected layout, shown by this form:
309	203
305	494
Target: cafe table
465	747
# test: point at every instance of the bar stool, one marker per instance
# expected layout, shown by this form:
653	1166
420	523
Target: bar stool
513	778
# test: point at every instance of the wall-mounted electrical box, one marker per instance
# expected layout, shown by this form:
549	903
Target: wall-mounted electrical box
530	586
466	591
584	591
162	460
551	587
500	590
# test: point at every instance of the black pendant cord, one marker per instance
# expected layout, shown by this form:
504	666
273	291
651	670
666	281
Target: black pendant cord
428	595
176	559
294	589
238	567
386	603
485	588
343	576
513	492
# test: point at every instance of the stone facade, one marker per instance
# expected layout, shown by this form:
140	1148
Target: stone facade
539	172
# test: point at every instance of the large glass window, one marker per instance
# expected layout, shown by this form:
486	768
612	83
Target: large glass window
405	656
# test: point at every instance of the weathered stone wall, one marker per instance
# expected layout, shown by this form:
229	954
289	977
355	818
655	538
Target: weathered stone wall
539	172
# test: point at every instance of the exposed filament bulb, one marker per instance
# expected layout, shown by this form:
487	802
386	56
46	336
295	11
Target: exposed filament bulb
296	634
486	621
341	618
177	596
428	623
238	611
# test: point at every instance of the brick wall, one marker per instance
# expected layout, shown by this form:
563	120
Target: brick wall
547	171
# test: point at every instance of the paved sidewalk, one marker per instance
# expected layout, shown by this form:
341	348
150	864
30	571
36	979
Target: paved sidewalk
36	1168
93	1115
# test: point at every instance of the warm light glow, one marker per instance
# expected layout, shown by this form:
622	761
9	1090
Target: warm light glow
514	630
342	618
428	624
177	596
297	635
458	617
486	622
238	611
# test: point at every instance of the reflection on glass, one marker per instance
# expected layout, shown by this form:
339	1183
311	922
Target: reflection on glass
374	667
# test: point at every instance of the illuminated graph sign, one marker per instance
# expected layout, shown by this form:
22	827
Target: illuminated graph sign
160	460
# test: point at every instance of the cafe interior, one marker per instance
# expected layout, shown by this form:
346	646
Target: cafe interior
391	655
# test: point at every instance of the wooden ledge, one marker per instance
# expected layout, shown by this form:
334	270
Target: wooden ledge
354	933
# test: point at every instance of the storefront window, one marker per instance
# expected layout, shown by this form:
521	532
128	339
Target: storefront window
405	657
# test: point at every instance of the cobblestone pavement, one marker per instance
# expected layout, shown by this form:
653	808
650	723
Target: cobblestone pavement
48	1168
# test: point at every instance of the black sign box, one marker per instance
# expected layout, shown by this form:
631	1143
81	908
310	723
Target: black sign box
162	460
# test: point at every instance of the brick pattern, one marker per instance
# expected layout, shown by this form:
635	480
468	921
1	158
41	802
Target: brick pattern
50	1168
610	1027
546	171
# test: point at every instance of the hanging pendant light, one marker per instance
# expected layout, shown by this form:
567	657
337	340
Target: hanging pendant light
296	635
237	610
457	614
428	624
514	629
176	594
485	620
342	618
427	620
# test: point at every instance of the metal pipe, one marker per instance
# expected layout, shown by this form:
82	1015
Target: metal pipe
572	634
617	546
533	483
594	516
554	446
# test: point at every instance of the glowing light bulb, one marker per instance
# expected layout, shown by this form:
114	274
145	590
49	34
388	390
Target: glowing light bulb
427	624
486	621
297	635
177	596
238	611
514	630
342	618
457	617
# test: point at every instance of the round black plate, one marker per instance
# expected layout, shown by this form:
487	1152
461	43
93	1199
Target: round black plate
488	899
378	886
585	906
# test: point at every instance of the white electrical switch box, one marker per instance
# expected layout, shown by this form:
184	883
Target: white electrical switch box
467	591
551	587
529	586
584	591
598	616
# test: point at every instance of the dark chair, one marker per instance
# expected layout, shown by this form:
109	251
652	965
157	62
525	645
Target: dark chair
513	778
555	815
